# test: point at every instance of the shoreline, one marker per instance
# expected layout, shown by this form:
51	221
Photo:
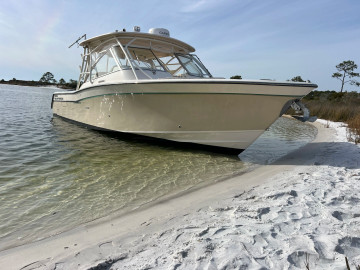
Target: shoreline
37	84
115	241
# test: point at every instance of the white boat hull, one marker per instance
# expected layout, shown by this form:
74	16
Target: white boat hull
223	113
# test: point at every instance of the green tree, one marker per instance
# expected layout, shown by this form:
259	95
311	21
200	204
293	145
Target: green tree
62	81
47	77
236	77
346	73
297	79
72	83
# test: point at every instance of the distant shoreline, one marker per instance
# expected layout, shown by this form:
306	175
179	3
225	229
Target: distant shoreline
38	84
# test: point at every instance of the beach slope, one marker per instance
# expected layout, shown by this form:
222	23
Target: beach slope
302	209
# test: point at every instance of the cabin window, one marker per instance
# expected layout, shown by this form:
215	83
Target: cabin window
104	63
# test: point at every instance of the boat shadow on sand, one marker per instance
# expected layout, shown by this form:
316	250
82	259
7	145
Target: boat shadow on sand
334	154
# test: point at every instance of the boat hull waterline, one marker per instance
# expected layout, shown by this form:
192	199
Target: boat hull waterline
221	113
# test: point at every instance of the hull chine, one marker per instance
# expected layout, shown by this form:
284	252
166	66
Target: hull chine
218	147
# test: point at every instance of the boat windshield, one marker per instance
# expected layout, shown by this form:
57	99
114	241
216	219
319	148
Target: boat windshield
145	59
182	64
193	65
114	58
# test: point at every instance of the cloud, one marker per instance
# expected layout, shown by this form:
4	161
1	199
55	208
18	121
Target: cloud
233	36
190	6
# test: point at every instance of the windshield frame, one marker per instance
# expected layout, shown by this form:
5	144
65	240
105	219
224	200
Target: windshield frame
154	68
203	72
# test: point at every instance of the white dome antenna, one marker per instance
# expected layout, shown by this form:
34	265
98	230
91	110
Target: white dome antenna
160	31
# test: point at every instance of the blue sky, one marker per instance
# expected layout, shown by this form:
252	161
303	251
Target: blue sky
254	38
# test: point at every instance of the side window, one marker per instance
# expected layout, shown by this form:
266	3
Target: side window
105	63
124	63
190	65
193	66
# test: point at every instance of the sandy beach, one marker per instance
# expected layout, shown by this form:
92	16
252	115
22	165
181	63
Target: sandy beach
304	208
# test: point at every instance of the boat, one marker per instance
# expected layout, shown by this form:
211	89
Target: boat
153	85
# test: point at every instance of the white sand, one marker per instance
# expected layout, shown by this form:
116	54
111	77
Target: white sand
304	207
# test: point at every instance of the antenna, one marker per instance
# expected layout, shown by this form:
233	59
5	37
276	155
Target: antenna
77	41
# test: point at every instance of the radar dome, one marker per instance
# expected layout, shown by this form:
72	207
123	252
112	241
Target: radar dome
160	31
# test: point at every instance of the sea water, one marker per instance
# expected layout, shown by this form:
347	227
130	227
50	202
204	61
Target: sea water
56	175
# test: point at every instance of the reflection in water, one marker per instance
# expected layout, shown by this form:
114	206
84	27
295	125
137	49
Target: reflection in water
284	136
55	175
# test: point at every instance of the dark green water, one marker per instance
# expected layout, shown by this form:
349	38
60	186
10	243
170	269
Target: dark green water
55	175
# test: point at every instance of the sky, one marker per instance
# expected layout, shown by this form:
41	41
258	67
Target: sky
257	39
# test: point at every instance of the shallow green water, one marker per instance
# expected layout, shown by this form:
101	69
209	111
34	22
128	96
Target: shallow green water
55	175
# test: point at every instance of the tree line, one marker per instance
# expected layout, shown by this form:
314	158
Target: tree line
48	78
345	73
